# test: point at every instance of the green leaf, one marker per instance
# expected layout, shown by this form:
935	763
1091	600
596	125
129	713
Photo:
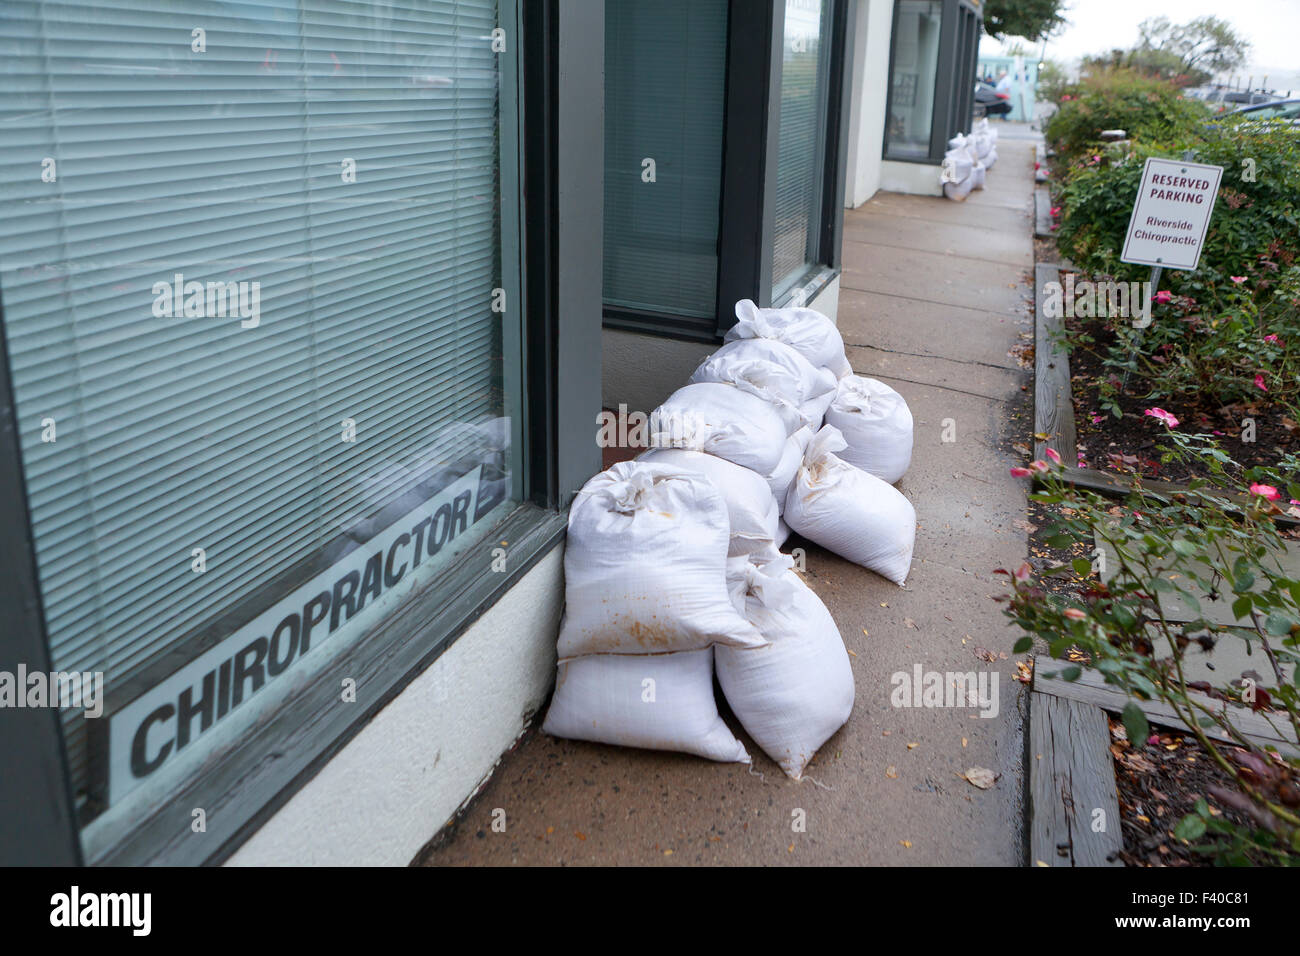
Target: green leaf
1279	625
1244	582
1022	645
1135	724
1241	606
1071	673
1082	567
1190	827
1184	547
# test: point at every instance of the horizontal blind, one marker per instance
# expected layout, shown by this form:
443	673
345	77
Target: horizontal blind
341	154
801	141
665	86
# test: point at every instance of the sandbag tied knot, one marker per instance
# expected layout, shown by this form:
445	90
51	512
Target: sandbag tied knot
751	321
673	428
631	493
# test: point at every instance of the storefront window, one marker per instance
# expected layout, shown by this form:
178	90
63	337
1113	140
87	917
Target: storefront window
260	280
805	70
917	25
665	87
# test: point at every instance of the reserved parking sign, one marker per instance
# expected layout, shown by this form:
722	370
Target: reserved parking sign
1171	214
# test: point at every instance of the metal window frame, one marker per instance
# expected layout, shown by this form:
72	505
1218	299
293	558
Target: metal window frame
755	33
562	46
953	103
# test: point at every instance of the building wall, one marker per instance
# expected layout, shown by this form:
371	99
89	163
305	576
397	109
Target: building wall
919	178
399	780
640	371
867	110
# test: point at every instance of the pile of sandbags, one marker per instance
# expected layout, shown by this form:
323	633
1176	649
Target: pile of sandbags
968	159
672	562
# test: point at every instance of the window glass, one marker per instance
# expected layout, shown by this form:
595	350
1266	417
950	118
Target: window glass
912	86
260	283
665	83
805	68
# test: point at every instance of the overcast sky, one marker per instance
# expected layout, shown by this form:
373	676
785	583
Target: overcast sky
1272	27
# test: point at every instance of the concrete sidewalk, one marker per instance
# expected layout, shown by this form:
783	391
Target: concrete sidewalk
934	294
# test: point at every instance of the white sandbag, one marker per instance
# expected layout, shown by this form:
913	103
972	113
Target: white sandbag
959	191
957	166
751	507
780	480
792	695
782	533
771	370
849	512
645	565
656	701
977	176
807	331
990	158
724	421
877	426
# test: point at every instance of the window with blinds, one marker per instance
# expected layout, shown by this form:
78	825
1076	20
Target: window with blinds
259	297
665	88
805	71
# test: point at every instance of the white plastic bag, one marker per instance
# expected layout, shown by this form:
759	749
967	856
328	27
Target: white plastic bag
751	508
849	512
724	421
656	701
645	565
792	695
780	480
877	426
773	370
807	331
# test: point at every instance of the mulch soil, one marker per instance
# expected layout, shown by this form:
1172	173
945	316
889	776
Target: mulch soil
1159	781
1130	444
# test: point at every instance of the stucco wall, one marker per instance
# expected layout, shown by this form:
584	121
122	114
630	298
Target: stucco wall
870	83
390	789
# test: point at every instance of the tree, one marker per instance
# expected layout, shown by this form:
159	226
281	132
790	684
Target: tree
1031	19
1206	45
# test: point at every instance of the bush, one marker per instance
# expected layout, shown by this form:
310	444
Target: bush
1255	228
1144	107
1230	330
1189	548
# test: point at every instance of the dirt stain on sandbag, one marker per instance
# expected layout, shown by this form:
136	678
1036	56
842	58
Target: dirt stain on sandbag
651	635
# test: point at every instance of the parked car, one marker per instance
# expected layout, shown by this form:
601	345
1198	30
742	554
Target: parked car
1279	110
989	102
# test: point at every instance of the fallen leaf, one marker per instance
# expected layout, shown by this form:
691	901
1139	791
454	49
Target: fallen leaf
906	844
913	746
579	834
908	622
980	777
891	773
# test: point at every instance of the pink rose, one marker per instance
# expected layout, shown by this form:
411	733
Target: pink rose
1238	279
1051	453
1259	383
1163	415
1265	491
1074	614
1273	338
1163	296
1022	572
1019	472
